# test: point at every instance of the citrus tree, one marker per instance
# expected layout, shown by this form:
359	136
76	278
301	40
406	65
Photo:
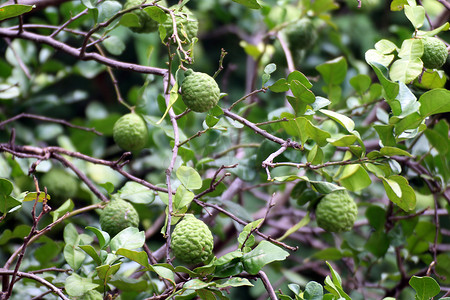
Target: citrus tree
224	149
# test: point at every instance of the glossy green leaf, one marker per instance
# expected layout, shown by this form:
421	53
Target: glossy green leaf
10	11
313	291
63	209
7	202
279	86
189	177
92	253
302	223
183	197
333	71
360	83
136	193
74	256
415	14
232	282
431	79
140	257
434	102
426	287
253	4
340	118
373	56
391	89
391	151
129	238
406	70
411	48
378	243
76	285
102	236
299	76
105	272
438	137
32	196
400	192
301	92
262	255
386	134
156	14
385	46
354	178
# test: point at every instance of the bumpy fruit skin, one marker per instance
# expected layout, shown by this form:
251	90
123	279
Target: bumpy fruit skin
91	295
336	212
186	22
192	241
60	185
117	215
130	132
301	35
199	91
434	53
147	23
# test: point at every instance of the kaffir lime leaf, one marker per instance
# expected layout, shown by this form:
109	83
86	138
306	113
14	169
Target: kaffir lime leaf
199	91
336	212
434	53
130	132
117	215
192	241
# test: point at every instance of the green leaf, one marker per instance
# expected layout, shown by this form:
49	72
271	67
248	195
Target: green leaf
299	76
77	286
406	70
63	209
114	45
342	141
129	238
354	178
253	4
183	198
130	20
7	202
426	287
334	285
298	105
438	137
197	284
313	291
139	257
74	256
415	14
89	3
279	86
108	9
385	46
434	102
411	48
270	68
262	255
431	79
189	177
230	256
31	196
435	31
341	119
329	254
400	192
386	134
333	71
156	14
301	92
102	236
378	243
92	253
391	89
173	97
105	272
136	193
360	83
302	223
373	56
232	282
10	11
391	151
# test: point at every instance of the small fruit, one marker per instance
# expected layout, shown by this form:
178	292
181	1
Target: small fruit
434	53
192	241
336	212
91	295
130	132
187	24
117	215
199	91
301	35
147	24
60	185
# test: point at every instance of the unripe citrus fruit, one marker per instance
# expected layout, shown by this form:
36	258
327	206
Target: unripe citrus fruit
187	24
336	212
147	24
91	295
60	185
130	132
199	91
434	53
192	241
117	215
301	35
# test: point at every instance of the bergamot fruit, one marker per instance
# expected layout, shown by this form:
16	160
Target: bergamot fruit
192	241
117	215
434	53
91	295
146	23
336	212
301	35
60	185
130	132
187	24
199	91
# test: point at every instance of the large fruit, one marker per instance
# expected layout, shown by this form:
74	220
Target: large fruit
199	91
301	35
130	132
434	53
117	215
60	185
147	24
336	212
192	241
187	24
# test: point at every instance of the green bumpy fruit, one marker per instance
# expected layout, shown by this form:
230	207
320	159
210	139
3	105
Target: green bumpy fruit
192	241
91	295
434	53
130	132
60	185
301	35
117	215
187	25
199	91
336	212
147	24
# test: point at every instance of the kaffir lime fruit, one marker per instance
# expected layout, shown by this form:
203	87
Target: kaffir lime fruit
434	53
192	241
301	35
130	132
60	185
117	215
187	24
91	295
146	23
199	91
336	212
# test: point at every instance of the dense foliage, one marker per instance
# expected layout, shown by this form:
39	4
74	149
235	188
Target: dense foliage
320	99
